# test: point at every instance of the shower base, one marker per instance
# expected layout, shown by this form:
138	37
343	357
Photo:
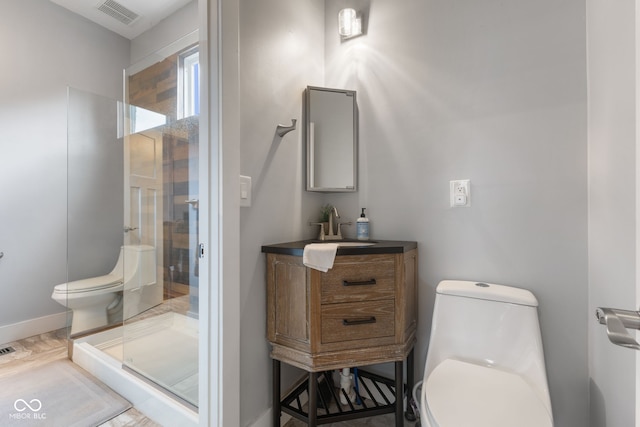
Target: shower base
163	348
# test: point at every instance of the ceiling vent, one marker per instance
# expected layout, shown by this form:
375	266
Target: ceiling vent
118	11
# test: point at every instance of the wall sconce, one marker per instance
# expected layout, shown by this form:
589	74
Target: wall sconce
349	23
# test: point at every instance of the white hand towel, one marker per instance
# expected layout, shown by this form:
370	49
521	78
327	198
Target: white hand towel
319	255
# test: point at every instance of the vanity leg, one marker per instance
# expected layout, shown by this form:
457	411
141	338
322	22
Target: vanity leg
313	399
399	394
276	393
410	372
410	413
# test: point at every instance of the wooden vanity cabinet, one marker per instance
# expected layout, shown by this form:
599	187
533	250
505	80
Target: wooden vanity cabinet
362	311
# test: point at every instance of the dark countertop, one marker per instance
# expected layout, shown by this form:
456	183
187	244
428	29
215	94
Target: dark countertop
380	247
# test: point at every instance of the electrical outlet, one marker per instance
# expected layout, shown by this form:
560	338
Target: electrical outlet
460	193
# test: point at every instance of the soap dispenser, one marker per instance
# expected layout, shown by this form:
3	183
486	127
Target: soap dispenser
362	226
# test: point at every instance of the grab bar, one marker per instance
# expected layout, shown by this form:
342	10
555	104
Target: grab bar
616	322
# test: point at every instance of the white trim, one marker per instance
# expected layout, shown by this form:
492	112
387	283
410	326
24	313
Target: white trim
31	327
265	419
224	130
150	401
637	196
220	295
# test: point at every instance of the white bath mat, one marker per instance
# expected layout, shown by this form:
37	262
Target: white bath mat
57	394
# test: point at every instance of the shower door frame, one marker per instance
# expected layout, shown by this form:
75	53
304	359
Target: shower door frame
135	233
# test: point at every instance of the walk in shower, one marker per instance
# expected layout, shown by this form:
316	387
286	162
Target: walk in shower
133	187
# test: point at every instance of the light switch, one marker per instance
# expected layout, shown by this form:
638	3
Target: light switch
245	191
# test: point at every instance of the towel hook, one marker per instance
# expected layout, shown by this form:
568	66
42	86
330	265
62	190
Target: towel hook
282	130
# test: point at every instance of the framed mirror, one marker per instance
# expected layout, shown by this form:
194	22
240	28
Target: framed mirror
332	139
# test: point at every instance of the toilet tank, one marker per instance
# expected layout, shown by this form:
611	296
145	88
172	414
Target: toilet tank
490	325
139	266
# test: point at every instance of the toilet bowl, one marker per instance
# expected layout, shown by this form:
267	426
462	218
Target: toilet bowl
134	275
485	363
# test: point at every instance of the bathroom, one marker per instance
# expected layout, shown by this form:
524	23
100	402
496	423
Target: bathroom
496	93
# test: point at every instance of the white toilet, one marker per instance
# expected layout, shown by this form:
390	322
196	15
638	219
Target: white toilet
134	275
485	365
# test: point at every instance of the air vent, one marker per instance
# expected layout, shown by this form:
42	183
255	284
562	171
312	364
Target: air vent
119	12
6	350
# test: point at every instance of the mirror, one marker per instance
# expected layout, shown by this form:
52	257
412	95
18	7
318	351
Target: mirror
332	139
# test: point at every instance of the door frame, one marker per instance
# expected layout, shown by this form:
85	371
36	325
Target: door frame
637	185
220	214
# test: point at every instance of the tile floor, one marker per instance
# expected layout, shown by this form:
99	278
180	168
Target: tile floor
379	421
44	348
387	420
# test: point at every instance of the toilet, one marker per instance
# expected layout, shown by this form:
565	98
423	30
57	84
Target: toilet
134	275
485	364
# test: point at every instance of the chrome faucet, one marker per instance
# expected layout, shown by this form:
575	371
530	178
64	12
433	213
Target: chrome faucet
332	212
338	234
331	235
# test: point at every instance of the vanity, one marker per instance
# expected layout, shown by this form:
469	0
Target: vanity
363	311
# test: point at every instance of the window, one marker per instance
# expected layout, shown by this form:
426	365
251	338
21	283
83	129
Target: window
189	83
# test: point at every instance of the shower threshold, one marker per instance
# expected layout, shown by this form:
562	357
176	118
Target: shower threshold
142	343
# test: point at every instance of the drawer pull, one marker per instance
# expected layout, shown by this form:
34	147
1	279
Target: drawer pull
352	322
360	283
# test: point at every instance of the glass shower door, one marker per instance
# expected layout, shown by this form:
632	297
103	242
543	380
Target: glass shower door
94	206
161	198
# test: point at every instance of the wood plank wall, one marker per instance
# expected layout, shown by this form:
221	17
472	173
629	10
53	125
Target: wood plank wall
156	89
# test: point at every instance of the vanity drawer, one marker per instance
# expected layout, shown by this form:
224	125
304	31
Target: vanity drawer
359	278
357	321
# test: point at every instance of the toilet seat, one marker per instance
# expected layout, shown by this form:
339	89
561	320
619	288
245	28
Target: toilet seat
107	281
462	394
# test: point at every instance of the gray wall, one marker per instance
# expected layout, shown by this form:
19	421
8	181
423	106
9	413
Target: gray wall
182	22
46	49
612	72
489	91
281	52
95	184
494	92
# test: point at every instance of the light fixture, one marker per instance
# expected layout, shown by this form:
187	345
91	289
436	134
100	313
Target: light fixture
349	23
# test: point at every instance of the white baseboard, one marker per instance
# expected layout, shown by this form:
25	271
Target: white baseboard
31	327
265	419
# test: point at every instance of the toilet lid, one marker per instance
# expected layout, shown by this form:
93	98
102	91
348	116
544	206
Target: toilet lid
461	394
90	284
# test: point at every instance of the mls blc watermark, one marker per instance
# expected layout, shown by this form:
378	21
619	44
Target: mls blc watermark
31	410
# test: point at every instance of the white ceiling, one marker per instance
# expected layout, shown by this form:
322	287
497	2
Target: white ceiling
150	11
